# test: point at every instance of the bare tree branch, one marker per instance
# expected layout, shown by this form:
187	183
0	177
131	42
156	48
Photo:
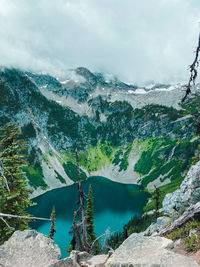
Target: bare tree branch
193	72
76	240
11	228
2	169
105	234
23	217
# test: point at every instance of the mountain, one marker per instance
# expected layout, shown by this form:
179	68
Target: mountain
127	133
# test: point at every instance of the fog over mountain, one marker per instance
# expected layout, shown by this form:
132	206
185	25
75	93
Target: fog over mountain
136	40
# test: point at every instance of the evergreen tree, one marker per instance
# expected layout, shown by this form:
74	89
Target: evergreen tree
53	221
157	199
89	217
90	222
125	232
14	196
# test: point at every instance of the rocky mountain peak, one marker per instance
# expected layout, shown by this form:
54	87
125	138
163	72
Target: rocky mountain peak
111	119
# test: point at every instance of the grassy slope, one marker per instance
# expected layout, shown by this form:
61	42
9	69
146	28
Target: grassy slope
152	163
35	176
156	162
92	159
155	151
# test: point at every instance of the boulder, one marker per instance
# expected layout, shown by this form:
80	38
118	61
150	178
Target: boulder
67	262
186	216
82	259
161	223
174	204
97	261
29	248
140	250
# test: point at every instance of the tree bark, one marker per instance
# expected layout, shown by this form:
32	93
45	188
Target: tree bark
81	208
22	217
2	169
186	216
193	72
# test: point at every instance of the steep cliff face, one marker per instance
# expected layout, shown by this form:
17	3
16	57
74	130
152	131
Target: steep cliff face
188	194
122	131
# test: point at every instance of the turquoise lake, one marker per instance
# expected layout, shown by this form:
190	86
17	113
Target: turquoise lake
114	205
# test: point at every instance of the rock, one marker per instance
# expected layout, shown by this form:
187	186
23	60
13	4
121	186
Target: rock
81	259
187	215
29	249
82	256
139	250
193	231
97	261
156	227
174	204
67	262
177	242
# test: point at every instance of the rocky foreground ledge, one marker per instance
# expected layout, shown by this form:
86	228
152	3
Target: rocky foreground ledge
32	249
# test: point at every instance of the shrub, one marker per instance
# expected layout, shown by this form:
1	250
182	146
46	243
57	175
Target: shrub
176	234
71	171
192	243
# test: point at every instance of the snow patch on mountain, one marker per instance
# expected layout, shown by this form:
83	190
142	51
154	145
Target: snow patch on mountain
71	75
138	91
67	101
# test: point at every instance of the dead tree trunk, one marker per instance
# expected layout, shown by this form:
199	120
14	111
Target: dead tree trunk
193	71
2	173
186	216
80	228
2	215
76	239
22	217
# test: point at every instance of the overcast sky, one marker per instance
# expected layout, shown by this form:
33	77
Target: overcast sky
137	40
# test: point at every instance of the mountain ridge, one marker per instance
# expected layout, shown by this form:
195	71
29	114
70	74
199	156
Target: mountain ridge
113	128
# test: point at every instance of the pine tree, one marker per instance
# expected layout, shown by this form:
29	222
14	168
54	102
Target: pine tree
14	195
157	199
53	221
90	222
125	232
89	217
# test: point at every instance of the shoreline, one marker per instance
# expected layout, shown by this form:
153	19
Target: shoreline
38	192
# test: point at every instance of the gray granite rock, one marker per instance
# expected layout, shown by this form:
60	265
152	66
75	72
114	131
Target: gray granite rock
67	262
32	249
81	259
29	249
156	227
97	261
174	204
139	250
81	256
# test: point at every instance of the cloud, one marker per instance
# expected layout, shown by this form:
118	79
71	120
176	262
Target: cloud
138	40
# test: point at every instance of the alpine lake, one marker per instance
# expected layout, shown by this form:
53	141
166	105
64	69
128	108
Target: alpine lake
114	205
